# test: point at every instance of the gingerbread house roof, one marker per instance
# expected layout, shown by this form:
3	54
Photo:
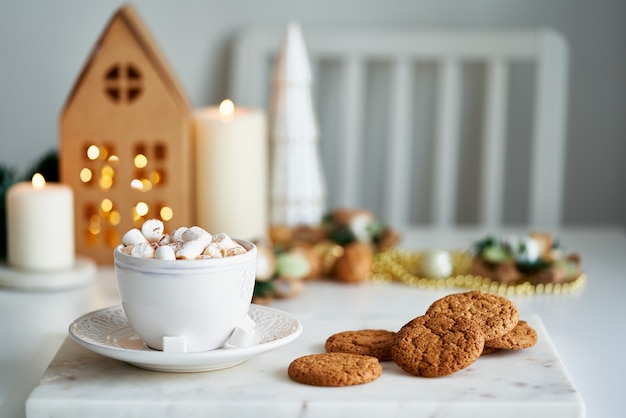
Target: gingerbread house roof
128	16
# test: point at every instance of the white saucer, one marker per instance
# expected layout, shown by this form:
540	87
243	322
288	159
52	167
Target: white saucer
80	274
108	332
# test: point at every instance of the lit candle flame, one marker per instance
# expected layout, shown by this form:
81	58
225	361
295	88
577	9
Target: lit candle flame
38	181
227	110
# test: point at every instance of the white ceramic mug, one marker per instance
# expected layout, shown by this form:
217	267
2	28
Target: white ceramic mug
186	305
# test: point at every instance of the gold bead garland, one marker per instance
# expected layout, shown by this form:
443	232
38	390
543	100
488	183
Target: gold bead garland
403	266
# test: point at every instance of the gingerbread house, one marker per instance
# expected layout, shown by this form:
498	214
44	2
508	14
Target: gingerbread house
125	140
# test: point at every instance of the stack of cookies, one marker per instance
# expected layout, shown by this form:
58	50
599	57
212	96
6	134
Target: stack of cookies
453	333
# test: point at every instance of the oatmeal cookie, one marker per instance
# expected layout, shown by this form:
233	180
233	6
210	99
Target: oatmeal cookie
522	336
437	345
496	315
334	369
369	342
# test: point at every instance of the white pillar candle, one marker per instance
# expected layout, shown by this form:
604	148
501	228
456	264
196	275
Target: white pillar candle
40	223
232	171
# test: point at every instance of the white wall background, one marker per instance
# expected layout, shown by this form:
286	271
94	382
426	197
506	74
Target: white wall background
44	44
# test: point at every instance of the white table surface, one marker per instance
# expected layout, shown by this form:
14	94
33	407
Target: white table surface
585	327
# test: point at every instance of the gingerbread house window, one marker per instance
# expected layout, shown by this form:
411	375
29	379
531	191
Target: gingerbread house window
122	83
150	171
98	165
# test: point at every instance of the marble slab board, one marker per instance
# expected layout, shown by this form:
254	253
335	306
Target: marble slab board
526	383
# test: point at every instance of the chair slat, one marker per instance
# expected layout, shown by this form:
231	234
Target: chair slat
446	143
352	99
399	150
548	147
493	155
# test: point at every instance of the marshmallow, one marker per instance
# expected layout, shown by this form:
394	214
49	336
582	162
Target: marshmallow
134	236
143	249
235	251
165	252
152	229
190	250
127	249
214	251
223	240
223	246
195	233
177	234
165	240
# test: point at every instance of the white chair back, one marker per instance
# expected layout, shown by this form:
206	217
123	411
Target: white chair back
420	152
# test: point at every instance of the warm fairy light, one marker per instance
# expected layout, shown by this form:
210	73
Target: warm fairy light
106	182
93	152
226	110
143	185
103	153
108	171
142	208
106	205
166	213
146	185
114	159
115	217
141	161
106	177
38	181
94	225
155	176
86	175
136	184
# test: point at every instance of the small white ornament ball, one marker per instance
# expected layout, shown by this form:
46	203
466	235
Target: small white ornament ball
437	264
